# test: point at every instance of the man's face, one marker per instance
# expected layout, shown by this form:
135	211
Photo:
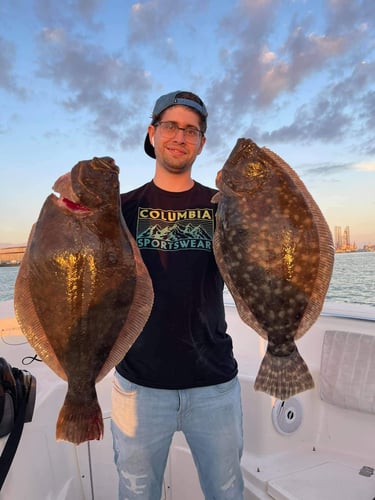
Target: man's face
176	154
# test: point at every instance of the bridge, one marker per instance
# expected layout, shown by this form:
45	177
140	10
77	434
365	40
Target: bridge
11	256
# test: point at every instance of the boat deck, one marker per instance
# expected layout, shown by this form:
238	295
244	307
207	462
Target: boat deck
306	449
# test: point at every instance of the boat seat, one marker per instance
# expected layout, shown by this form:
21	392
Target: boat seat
347	370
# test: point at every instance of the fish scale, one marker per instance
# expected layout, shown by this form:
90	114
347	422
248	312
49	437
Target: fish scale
275	252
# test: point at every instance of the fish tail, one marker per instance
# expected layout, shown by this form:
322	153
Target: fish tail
283	376
79	421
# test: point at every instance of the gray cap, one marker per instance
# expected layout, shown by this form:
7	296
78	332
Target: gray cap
168	100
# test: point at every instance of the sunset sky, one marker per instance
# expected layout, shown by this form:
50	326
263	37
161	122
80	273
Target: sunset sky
79	78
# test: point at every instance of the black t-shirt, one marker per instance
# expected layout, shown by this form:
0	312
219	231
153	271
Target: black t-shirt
184	343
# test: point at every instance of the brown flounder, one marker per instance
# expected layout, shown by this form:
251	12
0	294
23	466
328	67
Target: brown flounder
275	252
83	293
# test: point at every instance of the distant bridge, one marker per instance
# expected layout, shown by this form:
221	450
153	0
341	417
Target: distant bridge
11	255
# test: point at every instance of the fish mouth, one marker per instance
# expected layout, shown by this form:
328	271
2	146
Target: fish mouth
67	198
73	206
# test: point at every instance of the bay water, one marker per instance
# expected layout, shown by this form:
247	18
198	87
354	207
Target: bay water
353	279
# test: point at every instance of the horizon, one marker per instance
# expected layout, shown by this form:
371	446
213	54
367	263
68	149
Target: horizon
351	241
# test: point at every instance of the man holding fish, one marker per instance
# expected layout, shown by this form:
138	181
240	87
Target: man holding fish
147	296
180	373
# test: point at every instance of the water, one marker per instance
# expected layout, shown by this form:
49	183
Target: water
7	278
353	279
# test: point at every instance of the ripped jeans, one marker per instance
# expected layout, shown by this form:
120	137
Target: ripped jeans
144	421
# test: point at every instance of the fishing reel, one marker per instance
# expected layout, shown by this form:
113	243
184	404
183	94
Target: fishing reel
17	394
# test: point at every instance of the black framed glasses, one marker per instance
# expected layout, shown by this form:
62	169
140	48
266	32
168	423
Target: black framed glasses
169	130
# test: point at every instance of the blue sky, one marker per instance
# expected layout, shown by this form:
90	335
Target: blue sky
78	78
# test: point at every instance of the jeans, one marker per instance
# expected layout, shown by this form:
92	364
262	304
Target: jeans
144	421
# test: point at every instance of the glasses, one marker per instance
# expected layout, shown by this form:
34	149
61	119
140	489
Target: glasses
169	130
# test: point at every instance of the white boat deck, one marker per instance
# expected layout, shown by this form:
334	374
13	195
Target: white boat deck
329	456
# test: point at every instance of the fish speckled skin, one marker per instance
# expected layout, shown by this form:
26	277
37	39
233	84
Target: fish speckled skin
82	294
275	252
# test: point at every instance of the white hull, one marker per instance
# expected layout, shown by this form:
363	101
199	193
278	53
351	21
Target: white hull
321	460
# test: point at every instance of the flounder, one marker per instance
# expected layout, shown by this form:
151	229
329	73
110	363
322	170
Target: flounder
83	294
275	252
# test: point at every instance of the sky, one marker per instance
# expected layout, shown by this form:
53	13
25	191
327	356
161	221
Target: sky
79	78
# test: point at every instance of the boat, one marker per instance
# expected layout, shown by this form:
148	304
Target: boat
319	444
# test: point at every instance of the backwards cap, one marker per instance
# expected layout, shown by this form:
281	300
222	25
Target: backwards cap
173	99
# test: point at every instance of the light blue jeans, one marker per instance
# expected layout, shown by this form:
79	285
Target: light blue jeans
144	421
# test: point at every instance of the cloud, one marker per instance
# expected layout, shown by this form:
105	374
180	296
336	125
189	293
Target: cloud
322	119
366	166
328	168
349	15
156	28
106	86
266	61
68	14
149	20
269	64
8	77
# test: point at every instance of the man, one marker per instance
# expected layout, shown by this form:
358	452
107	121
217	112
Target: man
180	374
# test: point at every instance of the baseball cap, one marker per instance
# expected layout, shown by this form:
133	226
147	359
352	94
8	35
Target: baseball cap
179	97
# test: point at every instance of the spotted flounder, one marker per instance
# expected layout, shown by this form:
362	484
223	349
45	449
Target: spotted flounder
275	252
82	294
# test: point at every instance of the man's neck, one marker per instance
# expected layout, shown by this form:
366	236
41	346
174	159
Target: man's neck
173	182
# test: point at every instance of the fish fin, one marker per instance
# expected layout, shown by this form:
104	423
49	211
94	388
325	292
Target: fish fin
79	421
28	319
138	314
216	197
283	376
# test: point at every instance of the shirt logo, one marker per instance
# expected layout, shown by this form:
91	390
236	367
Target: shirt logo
174	230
